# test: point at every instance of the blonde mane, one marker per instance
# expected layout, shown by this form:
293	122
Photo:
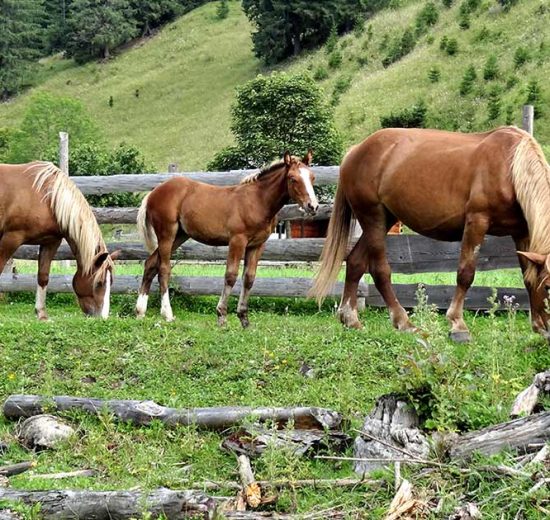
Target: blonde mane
253	177
73	214
531	178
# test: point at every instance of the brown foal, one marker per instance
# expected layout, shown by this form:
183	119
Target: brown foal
447	186
40	205
240	216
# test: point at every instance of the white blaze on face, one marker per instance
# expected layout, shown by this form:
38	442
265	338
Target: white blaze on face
107	297
141	305
306	177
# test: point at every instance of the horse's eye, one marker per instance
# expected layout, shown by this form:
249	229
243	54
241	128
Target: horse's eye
293	180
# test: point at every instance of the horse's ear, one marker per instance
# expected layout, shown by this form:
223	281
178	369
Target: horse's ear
535	258
287	158
115	254
308	158
100	259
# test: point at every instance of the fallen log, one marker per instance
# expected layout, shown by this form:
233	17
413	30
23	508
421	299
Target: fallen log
251	490
16	469
518	435
114	505
527	400
143	412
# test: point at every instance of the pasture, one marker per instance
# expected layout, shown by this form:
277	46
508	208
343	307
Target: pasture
192	363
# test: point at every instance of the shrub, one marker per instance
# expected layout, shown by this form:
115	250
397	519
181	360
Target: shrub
509	120
332	41
426	17
320	73
521	56
434	74
413	117
335	59
400	47
534	97
7	136
222	10
507	4
342	85
495	104
276	113
464	20
490	70
452	47
447	3
468	80
362	60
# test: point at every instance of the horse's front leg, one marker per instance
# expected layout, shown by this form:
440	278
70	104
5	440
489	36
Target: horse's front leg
251	258
45	257
474	233
237	246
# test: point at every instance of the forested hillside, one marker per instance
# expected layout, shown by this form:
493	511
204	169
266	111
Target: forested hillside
462	64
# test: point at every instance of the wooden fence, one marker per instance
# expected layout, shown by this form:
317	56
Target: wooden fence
407	253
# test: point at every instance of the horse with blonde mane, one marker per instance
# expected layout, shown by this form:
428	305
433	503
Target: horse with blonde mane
40	205
241	216
447	186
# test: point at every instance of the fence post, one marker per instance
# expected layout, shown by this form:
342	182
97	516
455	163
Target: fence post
528	118
64	152
173	168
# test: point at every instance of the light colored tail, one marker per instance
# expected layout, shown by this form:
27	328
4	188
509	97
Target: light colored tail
145	229
334	250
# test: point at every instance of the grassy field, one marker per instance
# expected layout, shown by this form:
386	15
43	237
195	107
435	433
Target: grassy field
192	363
187	74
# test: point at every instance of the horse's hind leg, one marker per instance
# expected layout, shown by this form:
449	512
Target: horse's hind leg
150	270
251	258
237	246
9	242
474	232
45	257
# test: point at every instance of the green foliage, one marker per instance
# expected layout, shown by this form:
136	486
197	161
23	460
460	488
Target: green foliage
464	20
98	26
277	113
7	136
335	59
22	39
400	48
449	45
152	13
507	4
447	3
222	10
413	117
490	70
426	17
521	56
343	83
320	73
332	40
47	115
434	74
534	97
468	80
494	107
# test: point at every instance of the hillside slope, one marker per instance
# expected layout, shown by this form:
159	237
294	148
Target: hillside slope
187	73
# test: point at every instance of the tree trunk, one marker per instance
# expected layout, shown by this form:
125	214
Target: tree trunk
143	412
114	505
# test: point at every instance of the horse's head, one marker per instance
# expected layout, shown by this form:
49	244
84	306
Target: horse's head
93	289
300	182
537	281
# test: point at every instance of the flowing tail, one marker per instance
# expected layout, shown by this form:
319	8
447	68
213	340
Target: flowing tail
334	250
145	229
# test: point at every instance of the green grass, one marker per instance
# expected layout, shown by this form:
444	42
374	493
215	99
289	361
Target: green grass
188	72
191	363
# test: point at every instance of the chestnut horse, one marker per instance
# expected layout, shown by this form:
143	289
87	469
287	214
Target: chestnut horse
40	205
447	186
240	216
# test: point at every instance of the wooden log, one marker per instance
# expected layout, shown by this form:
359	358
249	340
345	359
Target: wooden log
518	435
143	412
129	215
114	505
16	469
133	183
8	514
438	295
407	254
251	490
526	401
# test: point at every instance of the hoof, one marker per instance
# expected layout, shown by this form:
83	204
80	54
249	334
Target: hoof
140	316
357	325
43	317
461	336
245	323
222	322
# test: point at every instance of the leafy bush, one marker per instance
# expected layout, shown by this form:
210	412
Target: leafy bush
277	113
47	115
434	74
222	10
490	70
320	73
468	80
413	117
447	3
342	85
534	97
332	41
450	46
400	47
426	17
335	59
495	104
521	56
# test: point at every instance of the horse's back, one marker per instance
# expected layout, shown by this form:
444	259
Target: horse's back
430	179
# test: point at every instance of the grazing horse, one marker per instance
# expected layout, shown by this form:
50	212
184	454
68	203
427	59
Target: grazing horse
40	205
240	216
447	186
